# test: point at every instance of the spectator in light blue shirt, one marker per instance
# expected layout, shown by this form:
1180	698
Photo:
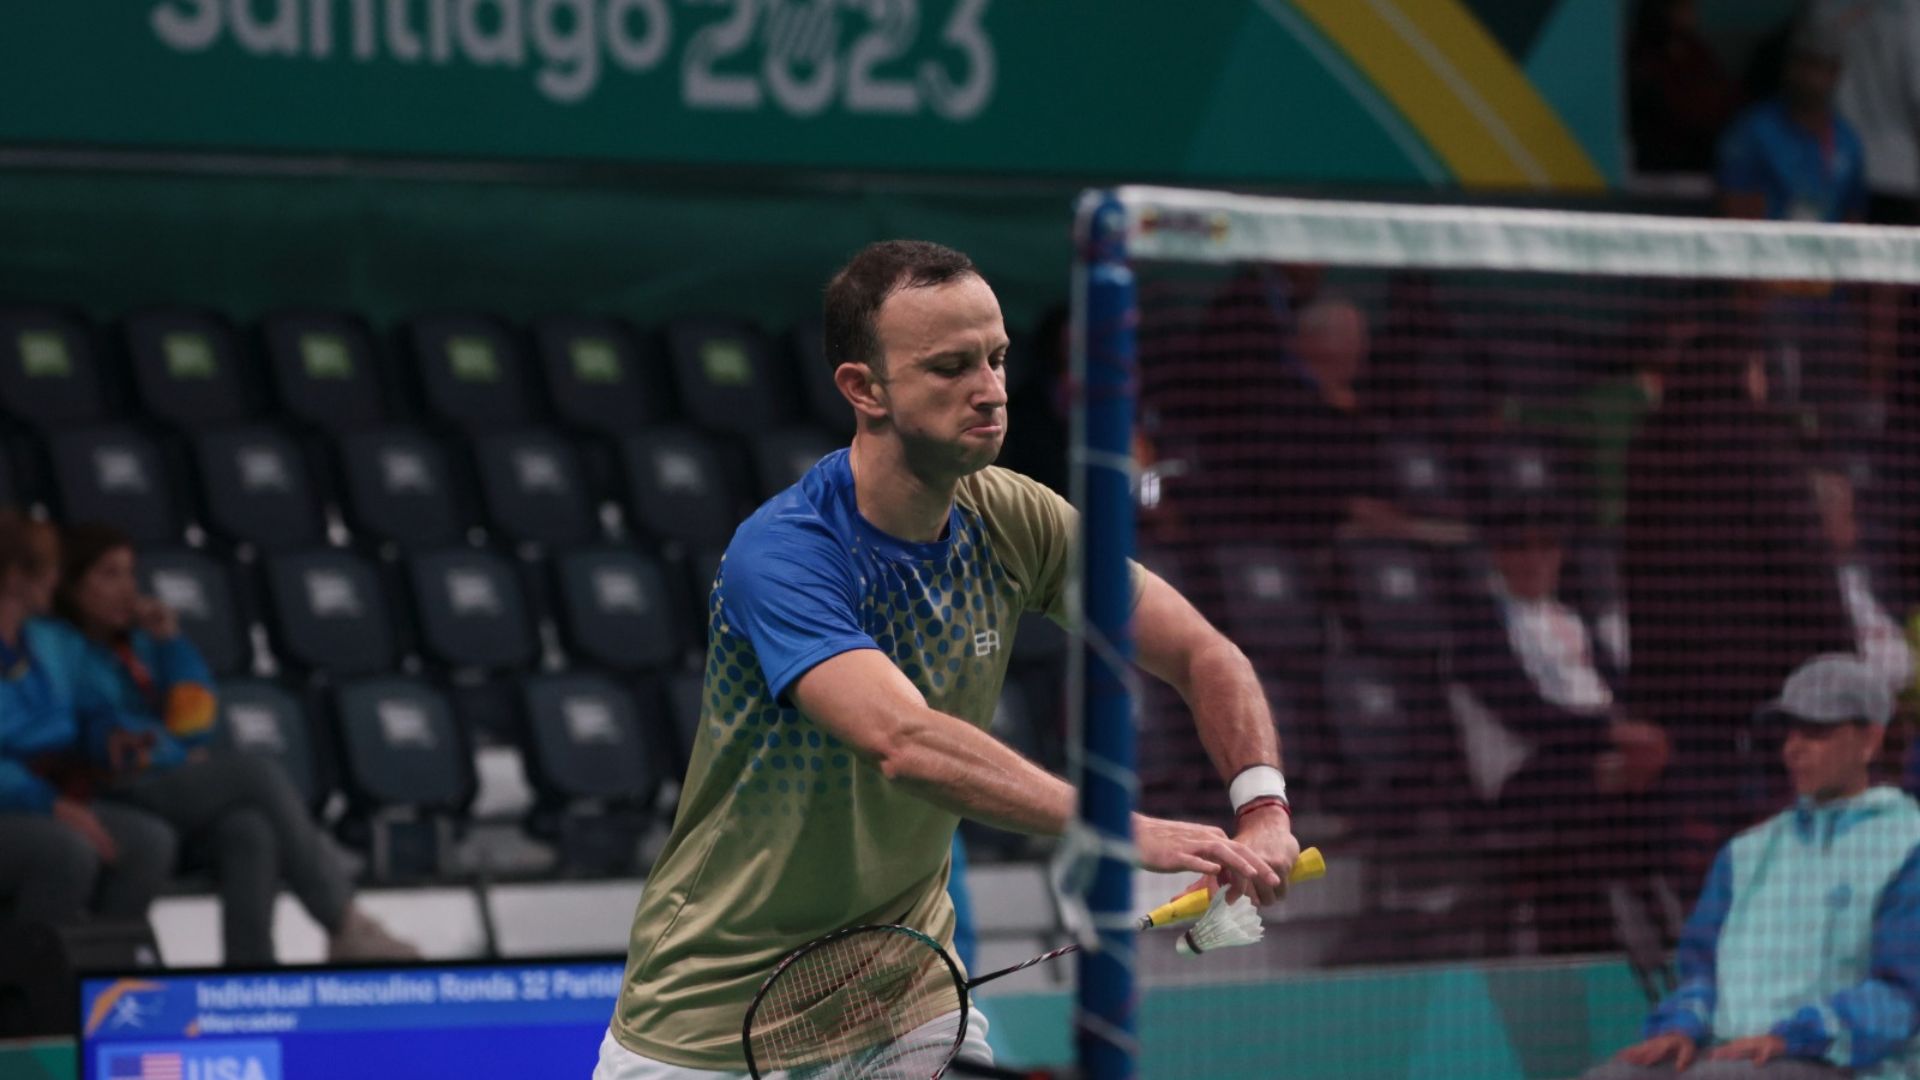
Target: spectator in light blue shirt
1802	959
1794	158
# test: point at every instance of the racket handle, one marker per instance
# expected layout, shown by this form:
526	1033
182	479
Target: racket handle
1309	866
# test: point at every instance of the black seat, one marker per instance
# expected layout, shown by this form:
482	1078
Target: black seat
601	377
470	371
325	370
187	367
683	692
399	487
116	475
814	376
1269	603
1039	640
472	610
12	492
534	487
330	612
259	716
616	609
49	374
587	740
677	486
407	771
727	376
200	591
1398	603
782	456
1419	477
257	488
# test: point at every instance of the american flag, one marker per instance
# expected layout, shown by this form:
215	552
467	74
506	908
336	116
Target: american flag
145	1067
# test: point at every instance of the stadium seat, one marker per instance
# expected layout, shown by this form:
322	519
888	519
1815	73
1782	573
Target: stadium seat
399	487
1039	640
49	374
616	610
727	376
470	371
682	693
601	377
257	488
1418	476
594	767
1379	728
1269	603
472	610
200	591
534	487
782	456
12	492
325	370
330	613
1522	479
406	769
187	368
814	376
1398	603
259	716
677	486
115	475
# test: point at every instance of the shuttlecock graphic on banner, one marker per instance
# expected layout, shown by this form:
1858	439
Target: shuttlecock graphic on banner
1224	926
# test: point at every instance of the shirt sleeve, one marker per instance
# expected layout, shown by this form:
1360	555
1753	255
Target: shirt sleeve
1036	533
1689	1009
792	593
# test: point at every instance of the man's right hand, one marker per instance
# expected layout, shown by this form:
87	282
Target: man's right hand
80	818
1661	1047
1169	847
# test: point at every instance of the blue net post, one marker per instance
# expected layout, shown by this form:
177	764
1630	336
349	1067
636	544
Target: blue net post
1104	369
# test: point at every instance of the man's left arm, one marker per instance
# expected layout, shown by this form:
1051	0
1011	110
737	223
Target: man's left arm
1177	645
1876	1018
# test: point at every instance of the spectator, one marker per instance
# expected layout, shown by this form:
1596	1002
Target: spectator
1679	97
1801	960
1879	94
146	698
1793	157
62	856
1729	585
1547	746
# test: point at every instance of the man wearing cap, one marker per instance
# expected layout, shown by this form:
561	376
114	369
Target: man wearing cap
1802	958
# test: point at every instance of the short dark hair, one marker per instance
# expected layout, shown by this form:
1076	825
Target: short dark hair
26	545
855	294
83	544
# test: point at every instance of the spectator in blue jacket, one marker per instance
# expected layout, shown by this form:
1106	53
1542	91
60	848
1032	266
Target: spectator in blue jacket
146	700
63	857
1802	958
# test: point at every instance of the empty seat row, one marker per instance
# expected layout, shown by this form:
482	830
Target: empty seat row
331	610
258	484
189	368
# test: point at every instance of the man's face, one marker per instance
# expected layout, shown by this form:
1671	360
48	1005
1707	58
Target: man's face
945	384
1811	80
1827	761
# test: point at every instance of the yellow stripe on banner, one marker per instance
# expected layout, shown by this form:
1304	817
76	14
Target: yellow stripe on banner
1459	89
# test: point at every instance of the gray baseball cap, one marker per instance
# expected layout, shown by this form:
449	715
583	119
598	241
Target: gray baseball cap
1836	688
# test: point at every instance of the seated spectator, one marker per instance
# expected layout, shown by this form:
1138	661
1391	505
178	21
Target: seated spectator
1802	958
1546	744
1793	157
1678	96
146	698
63	857
1879	95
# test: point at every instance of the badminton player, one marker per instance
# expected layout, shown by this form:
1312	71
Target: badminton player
859	631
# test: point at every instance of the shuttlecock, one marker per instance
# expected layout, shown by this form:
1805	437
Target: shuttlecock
1224	926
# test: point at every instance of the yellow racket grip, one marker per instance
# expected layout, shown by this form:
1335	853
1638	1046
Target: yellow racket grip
1310	865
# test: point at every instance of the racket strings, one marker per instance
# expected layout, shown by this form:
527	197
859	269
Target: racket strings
876	1006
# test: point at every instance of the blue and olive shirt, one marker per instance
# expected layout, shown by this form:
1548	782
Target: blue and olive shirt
783	834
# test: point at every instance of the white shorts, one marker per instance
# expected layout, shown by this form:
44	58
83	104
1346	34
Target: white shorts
619	1063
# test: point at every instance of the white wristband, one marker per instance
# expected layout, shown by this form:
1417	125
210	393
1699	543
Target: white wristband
1254	782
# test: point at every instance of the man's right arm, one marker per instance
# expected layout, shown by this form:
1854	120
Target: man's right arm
862	699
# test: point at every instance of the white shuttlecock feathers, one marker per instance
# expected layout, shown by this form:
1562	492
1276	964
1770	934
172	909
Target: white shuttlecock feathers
1224	926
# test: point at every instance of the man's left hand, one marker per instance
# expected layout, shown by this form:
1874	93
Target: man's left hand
1268	830
1758	1049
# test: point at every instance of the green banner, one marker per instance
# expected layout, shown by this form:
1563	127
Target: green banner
1425	91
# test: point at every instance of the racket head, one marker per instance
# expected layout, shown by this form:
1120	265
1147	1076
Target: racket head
853	997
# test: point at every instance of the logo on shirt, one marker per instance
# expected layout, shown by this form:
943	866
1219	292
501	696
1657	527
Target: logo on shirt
986	643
